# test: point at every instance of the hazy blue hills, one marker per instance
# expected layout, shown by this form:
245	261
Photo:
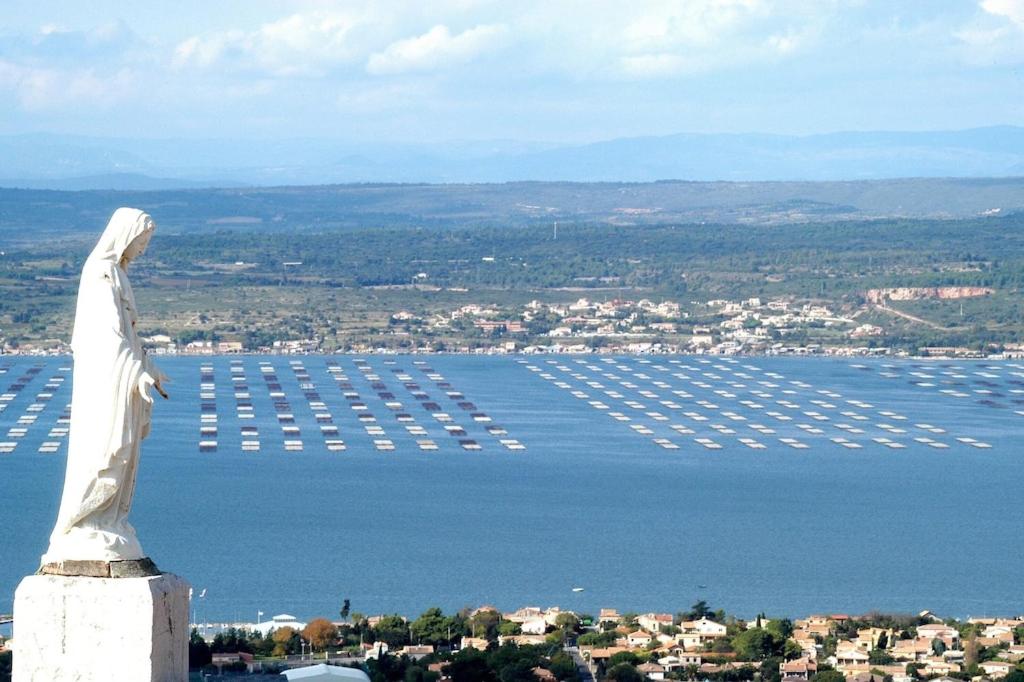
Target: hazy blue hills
31	213
69	162
115	181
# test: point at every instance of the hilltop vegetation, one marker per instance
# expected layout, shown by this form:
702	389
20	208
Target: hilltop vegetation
342	283
30	215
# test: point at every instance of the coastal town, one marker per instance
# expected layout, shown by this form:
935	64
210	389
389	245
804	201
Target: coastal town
749	326
561	645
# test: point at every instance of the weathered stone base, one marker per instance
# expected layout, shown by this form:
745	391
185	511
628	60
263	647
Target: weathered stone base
85	629
131	568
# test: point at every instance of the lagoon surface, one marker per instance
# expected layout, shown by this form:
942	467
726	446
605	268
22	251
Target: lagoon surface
784	485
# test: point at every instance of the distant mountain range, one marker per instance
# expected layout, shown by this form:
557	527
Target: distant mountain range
46	161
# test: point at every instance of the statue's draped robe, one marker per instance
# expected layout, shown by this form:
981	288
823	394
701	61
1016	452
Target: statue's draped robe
110	406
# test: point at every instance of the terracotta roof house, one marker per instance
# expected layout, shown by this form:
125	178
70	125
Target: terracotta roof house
996	669
544	675
801	668
651	671
638	638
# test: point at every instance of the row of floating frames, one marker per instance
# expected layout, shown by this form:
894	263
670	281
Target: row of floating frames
643	409
856	416
437	413
322	415
243	405
957	378
207	409
423	442
813	414
602	406
468	406
57	433
369	421
654	415
282	409
17	432
332	436
451	428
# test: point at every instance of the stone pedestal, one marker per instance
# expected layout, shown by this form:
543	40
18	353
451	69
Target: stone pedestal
101	629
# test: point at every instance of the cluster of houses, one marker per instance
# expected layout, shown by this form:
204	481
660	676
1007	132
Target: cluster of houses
932	650
689	648
719	326
672	646
935	649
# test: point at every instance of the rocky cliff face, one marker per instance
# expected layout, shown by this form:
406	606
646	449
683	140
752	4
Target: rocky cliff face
918	293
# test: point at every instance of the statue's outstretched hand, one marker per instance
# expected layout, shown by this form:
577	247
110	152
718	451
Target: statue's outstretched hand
146	381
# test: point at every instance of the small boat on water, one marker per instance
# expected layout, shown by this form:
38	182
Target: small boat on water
577	589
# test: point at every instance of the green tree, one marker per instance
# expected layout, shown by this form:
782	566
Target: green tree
792	650
345	607
485	624
880	657
754	644
721	646
393	630
770	669
562	666
624	672
470	665
198	651
432	627
883	641
597	638
782	628
699	610
519	670
828	676
623	657
567	622
556	637
938	647
415	673
509	628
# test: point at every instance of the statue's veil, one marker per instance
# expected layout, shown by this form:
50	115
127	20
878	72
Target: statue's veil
109	415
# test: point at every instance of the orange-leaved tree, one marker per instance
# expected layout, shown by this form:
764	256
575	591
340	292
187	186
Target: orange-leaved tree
321	633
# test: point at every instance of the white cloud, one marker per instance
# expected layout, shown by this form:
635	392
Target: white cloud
40	88
385	96
435	49
698	23
300	44
677	39
1011	9
996	36
653	65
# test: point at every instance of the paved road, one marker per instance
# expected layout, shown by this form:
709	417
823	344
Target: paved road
913	318
581	665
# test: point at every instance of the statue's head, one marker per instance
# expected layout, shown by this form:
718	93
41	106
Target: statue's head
126	237
136	247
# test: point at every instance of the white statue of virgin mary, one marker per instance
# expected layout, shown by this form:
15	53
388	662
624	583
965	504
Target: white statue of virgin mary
111	403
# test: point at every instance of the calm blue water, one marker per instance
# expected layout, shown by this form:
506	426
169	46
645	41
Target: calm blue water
590	502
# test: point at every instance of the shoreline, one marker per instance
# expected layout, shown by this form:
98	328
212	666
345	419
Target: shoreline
1002	357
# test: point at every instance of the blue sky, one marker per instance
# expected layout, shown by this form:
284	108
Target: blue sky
557	71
